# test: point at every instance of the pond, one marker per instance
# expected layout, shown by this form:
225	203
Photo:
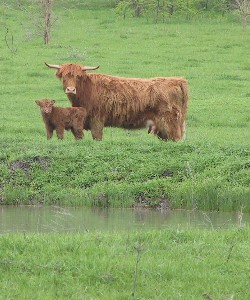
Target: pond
59	219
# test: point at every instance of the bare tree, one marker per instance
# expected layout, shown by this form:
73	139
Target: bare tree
137	7
10	47
47	14
244	8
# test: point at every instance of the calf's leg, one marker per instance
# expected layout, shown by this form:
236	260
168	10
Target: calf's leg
49	130
60	132
77	128
77	132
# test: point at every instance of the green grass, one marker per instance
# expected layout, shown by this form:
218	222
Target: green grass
171	264
210	170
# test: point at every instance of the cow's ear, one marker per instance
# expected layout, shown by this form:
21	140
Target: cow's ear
38	102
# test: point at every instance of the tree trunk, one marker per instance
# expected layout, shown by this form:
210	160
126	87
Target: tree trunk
244	22
244	9
47	7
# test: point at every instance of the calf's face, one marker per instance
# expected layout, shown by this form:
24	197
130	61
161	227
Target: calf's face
46	105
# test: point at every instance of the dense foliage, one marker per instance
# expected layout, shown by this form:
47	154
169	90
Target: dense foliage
162	9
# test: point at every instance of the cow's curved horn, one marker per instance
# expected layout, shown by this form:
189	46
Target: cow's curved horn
89	68
53	66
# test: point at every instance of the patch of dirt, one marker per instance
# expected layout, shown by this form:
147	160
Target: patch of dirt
167	173
27	164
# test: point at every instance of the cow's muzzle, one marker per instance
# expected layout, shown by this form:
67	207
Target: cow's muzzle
70	90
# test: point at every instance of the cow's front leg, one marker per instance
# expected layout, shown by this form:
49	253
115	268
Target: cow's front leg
96	128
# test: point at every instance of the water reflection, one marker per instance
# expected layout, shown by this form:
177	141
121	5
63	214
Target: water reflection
59	219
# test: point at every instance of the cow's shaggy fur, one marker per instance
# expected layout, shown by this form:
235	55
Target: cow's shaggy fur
61	118
127	102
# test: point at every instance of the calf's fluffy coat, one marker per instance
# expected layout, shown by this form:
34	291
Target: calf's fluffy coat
61	118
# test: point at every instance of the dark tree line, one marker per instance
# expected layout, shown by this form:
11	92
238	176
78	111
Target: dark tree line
160	9
157	10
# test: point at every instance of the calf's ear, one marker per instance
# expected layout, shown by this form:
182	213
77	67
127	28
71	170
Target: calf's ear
38	102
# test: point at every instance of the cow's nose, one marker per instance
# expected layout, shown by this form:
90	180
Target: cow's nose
70	90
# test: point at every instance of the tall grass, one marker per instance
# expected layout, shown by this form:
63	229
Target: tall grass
210	170
167	264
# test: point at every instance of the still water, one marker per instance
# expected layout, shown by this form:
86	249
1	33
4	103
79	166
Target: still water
58	219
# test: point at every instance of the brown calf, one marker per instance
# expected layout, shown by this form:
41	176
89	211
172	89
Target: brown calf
61	118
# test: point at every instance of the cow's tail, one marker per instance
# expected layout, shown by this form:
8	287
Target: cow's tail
185	96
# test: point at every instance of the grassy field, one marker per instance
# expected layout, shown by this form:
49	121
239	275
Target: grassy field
168	264
210	170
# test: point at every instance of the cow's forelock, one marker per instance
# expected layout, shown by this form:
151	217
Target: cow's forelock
69	73
72	70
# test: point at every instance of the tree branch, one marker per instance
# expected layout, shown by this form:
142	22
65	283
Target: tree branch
12	49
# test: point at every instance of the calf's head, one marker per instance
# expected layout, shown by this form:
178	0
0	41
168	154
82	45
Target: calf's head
69	74
46	105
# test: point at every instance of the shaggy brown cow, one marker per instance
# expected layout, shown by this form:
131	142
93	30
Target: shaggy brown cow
61	118
126	102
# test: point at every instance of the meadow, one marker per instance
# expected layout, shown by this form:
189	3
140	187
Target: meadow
209	170
168	264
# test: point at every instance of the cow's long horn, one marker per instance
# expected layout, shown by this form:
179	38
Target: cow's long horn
89	68
53	66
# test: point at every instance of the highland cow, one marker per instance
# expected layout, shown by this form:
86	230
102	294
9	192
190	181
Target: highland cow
127	102
62	118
